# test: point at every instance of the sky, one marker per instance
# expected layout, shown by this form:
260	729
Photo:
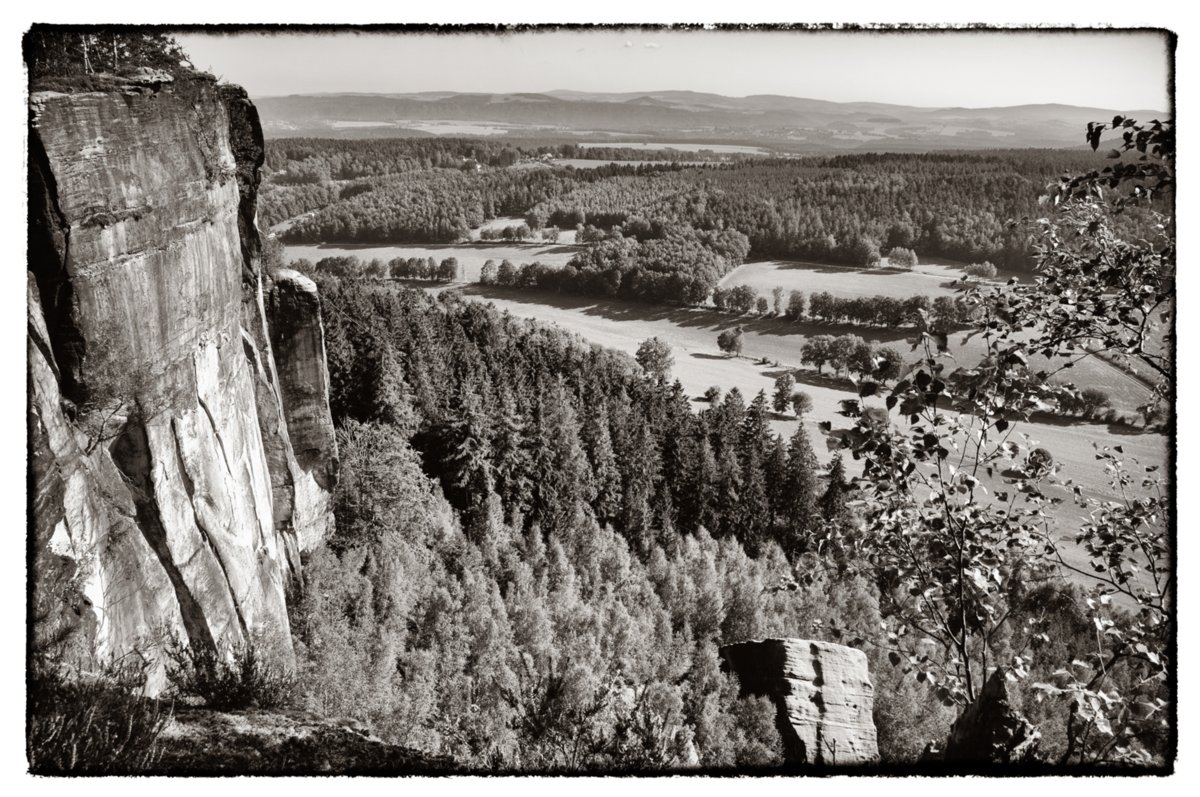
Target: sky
1119	70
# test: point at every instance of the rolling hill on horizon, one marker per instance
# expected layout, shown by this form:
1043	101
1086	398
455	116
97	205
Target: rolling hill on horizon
788	124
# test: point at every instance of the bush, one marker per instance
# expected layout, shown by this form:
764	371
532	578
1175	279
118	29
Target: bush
101	725
983	270
802	403
245	678
899	257
713	394
1093	399
1039	461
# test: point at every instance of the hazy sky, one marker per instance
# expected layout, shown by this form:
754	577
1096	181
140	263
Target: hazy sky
974	69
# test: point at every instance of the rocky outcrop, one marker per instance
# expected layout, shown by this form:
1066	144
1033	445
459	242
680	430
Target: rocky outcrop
167	490
822	693
298	339
199	741
991	731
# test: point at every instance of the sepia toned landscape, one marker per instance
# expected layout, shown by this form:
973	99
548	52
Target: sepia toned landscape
406	428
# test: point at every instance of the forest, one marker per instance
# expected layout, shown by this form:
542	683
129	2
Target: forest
844	209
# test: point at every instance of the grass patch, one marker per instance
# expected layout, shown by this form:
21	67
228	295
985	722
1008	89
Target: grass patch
96	725
242	678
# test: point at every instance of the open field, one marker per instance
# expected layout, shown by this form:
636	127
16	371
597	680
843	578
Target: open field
934	279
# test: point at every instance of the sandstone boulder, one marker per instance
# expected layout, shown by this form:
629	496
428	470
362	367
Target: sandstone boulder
991	731
822	694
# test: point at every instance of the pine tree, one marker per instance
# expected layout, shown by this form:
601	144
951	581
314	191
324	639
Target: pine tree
784	385
756	428
753	516
562	476
607	476
833	500
800	505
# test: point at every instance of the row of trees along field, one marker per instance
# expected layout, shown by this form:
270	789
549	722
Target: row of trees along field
943	313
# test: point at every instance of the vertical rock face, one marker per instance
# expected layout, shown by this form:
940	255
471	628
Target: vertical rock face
299	342
182	516
822	694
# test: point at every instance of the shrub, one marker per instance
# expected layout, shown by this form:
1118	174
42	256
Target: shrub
984	270
1039	461
101	725
802	403
713	394
900	257
244	678
1093	399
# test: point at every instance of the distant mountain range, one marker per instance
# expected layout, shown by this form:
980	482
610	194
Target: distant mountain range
774	122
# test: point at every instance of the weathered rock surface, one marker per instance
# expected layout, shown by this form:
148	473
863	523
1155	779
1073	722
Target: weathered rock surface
991	731
297	335
284	742
822	694
144	266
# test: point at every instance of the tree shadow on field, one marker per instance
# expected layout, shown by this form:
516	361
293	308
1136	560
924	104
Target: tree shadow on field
547	248
831	268
702	356
707	318
820	268
1125	430
828	381
960	286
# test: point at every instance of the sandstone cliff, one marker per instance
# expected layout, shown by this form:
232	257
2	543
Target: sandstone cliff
181	450
822	693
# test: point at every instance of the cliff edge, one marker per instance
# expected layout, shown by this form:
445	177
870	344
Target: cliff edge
177	469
